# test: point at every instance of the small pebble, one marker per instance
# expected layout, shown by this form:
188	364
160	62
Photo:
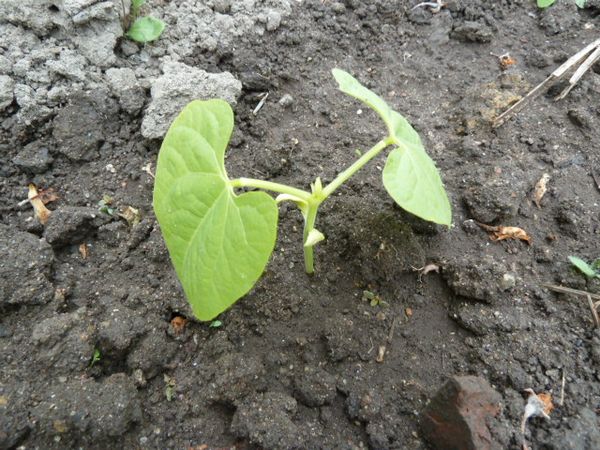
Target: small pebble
286	101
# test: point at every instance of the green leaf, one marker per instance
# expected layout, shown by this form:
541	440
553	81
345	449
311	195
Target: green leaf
146	29
544	3
410	175
137	3
583	267
580	3
219	242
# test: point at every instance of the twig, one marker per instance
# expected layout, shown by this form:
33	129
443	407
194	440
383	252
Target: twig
593	310
562	389
596	178
435	6
558	74
566	290
588	295
260	104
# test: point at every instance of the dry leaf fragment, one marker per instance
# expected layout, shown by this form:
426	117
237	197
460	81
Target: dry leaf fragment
380	354
41	212
408	312
499	233
131	215
540	189
84	250
537	405
178	323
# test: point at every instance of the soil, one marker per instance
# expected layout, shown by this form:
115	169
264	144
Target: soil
90	354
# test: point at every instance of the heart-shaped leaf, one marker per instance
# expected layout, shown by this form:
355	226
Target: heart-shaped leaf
410	175
146	29
219	242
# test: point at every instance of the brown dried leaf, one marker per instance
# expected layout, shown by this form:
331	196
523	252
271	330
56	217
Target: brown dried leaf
511	233
540	189
178	323
499	233
546	400
131	215
47	195
408	312
41	212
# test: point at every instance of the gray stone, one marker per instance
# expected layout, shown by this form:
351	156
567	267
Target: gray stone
86	408
315	387
66	342
286	100
118	331
24	268
152	354
34	158
72	224
273	20
7	86
266	421
124	85
179	85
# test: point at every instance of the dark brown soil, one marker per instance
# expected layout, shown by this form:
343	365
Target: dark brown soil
294	363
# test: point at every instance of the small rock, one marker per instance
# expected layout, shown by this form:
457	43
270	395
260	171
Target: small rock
471	31
315	387
286	100
25	268
456	416
179	85
66	342
34	158
235	376
7	86
508	281
477	279
88	409
152	354
72	224
265	420
117	333
273	20
125	87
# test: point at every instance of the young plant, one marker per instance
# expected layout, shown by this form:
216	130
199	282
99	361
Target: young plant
589	270
220	240
143	29
547	3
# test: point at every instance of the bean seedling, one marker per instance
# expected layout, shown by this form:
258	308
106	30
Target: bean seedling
220	240
143	29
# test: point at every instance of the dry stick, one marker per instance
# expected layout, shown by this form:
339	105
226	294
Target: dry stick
589	296
596	178
555	76
562	389
589	62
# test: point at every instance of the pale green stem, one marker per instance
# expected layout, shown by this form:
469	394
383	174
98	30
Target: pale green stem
309	224
270	186
356	166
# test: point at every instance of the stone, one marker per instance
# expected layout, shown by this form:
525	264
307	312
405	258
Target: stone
25	268
93	410
266	421
315	387
118	332
66	342
7	86
456	416
286	100
72	224
33	158
124	85
471	31
179	85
